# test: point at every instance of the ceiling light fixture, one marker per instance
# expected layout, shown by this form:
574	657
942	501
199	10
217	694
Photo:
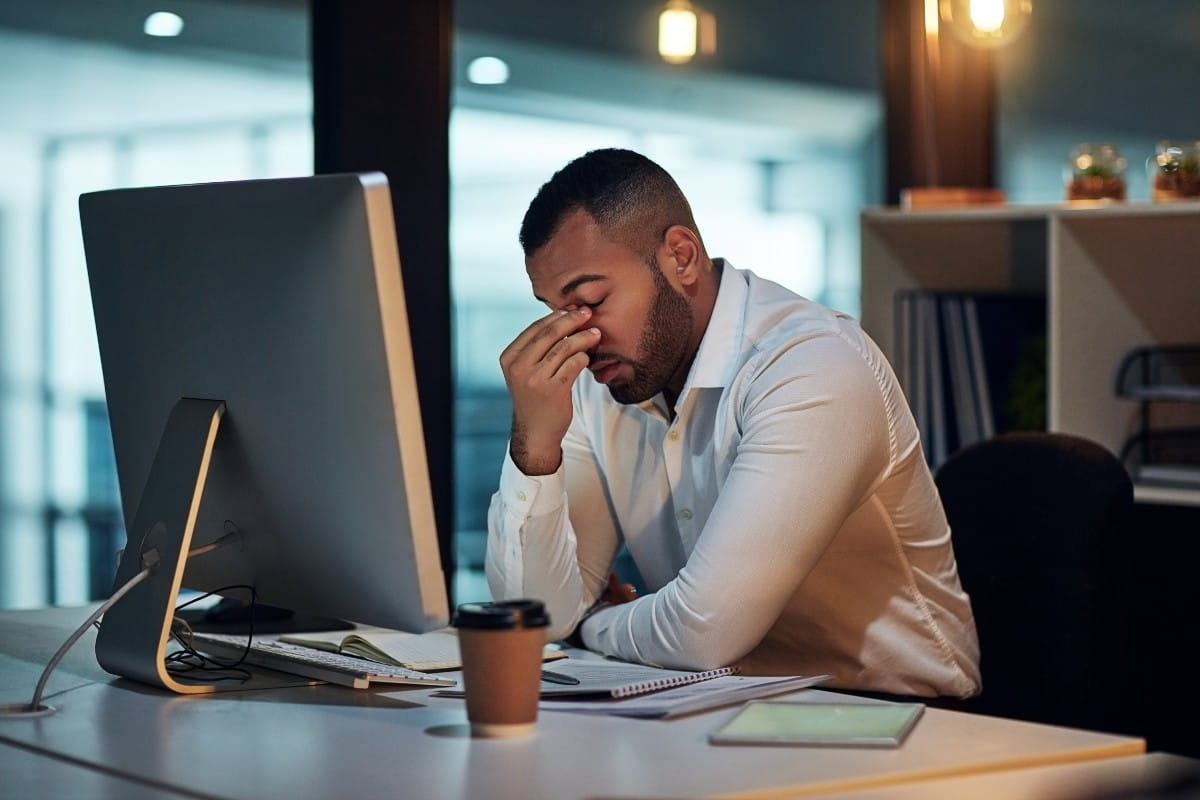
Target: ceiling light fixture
678	25
682	29
163	23
487	70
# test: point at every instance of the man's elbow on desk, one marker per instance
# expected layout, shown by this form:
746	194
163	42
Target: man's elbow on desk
614	632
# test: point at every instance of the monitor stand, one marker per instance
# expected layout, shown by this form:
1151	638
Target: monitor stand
133	638
234	616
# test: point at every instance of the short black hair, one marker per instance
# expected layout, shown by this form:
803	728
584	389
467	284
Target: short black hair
630	197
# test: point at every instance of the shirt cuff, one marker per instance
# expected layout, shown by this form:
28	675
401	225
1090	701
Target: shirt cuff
530	495
576	638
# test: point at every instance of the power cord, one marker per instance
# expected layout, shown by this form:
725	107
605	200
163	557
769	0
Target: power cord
35	708
150	562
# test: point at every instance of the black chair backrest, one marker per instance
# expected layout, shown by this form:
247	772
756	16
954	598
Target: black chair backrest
1042	530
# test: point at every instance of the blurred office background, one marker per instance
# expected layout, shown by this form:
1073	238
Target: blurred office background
776	138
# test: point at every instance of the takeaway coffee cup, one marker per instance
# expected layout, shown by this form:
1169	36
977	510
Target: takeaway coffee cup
501	646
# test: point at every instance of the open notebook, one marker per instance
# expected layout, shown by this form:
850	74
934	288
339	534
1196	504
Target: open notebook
425	652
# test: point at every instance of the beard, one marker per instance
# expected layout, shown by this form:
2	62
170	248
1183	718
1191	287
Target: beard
662	349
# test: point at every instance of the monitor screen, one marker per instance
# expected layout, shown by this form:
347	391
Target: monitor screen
282	299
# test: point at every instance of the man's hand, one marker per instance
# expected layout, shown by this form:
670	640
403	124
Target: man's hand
539	367
616	592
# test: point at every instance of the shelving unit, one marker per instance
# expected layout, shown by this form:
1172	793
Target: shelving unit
1115	277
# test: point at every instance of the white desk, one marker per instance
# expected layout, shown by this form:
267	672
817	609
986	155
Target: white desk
326	742
30	774
1130	776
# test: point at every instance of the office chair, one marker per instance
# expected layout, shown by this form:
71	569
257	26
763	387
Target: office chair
1042	531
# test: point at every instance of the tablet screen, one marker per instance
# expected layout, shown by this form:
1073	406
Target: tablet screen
847	724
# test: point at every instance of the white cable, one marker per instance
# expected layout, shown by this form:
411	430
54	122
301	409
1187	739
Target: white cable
35	705
150	560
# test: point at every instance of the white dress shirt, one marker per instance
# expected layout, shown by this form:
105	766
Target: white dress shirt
785	518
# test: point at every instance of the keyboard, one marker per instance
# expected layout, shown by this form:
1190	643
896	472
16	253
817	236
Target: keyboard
309	662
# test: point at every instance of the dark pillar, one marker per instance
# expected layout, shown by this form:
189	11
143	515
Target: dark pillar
381	101
939	105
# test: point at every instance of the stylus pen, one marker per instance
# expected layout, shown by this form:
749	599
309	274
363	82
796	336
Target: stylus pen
558	677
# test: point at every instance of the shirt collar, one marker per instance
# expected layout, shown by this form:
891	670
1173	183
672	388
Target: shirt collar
716	360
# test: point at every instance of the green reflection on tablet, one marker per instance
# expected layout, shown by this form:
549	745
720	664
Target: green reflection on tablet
846	724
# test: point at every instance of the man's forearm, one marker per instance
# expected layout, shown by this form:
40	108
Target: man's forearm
537	458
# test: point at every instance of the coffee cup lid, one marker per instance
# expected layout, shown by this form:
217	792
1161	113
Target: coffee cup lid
502	614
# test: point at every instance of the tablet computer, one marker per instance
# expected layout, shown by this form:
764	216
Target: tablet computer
840	724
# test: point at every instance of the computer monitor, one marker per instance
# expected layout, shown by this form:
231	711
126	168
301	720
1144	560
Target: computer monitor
259	377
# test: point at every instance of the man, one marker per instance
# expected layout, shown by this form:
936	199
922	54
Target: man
752	449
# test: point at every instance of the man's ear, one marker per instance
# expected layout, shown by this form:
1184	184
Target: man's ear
682	253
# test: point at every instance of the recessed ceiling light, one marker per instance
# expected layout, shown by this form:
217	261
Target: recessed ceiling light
163	23
487	70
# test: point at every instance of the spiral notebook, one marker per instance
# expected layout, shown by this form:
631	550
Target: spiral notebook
618	679
689	698
612	680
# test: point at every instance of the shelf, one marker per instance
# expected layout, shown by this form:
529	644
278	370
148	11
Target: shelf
1158	374
1115	276
1117	283
1010	211
987	250
1040	211
1176	394
1165	495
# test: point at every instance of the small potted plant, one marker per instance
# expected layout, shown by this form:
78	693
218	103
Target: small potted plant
1095	172
1175	171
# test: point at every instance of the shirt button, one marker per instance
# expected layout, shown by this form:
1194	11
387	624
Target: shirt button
686	514
521	497
673	436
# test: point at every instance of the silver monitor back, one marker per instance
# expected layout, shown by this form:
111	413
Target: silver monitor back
282	298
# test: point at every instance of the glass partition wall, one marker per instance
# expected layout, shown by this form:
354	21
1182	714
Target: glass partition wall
79	115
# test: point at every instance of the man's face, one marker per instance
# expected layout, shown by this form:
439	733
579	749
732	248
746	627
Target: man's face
645	323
